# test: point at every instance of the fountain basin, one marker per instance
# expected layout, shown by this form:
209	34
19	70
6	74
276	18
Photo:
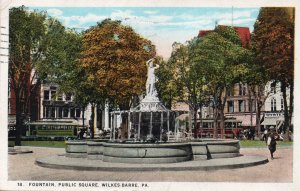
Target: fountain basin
76	149
147	152
95	149
215	148
143	152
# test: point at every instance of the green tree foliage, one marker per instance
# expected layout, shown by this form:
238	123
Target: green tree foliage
273	42
204	69
221	57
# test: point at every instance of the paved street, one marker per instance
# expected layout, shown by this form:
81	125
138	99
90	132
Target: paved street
22	167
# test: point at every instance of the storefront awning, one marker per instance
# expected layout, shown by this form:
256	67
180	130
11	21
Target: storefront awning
270	121
246	120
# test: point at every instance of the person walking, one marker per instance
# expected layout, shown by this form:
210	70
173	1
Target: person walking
272	142
265	137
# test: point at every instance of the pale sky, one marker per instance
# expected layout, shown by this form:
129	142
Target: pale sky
162	25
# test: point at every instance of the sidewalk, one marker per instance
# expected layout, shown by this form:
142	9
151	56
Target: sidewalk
23	167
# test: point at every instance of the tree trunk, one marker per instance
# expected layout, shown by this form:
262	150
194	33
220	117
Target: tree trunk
195	122
83	116
258	112
222	122
222	116
291	110
215	123
92	118
19	122
285	111
200	124
251	107
285	106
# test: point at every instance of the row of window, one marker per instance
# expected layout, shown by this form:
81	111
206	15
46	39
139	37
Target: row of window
53	95
243	89
54	127
61	112
242	106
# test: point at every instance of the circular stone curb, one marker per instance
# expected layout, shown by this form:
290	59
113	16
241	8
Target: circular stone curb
62	162
14	151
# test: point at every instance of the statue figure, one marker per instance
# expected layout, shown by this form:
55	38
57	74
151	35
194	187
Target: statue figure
150	85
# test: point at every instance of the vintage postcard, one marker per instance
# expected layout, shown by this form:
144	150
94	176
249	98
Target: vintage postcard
145	96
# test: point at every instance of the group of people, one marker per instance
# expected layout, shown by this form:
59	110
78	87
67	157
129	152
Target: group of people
248	134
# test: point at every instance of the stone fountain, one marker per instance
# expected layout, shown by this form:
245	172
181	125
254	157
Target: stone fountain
148	122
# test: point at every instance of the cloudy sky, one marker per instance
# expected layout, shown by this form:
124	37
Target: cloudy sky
162	26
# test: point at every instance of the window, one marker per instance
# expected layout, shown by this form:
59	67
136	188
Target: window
230	92
53	112
242	89
253	109
273	104
53	95
65	112
241	105
46	95
60	112
282	106
47	113
59	97
68	97
77	112
273	88
230	106
72	112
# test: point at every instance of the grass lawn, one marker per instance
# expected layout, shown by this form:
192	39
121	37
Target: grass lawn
251	143
56	144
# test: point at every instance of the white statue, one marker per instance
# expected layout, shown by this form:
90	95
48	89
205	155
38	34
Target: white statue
150	85
151	101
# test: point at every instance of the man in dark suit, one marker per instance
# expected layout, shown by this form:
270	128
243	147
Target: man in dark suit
272	141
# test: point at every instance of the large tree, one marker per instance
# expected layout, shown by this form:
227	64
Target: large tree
26	33
40	49
222	56
273	42
114	58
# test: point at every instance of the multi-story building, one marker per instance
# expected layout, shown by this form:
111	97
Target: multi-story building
241	106
274	105
60	106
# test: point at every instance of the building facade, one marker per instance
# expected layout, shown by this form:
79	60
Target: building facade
274	105
57	106
241	106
